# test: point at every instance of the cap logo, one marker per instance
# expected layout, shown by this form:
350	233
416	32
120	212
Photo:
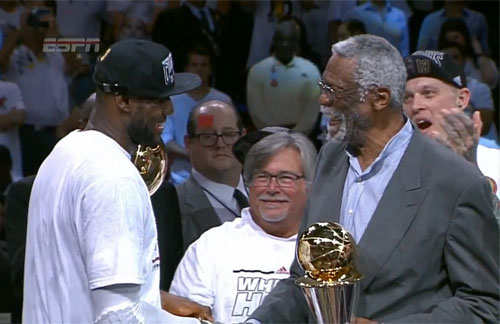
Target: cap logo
436	57
168	69
457	80
423	66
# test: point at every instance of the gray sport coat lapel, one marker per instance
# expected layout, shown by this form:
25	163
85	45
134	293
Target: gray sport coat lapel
197	213
331	170
401	197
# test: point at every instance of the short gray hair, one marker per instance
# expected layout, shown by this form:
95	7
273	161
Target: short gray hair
378	63
264	149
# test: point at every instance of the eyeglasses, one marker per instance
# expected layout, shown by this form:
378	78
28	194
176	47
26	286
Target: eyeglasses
284	179
209	139
333	94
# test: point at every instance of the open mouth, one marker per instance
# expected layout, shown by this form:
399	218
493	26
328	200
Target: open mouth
423	124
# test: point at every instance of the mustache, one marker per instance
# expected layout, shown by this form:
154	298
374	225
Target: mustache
331	112
266	196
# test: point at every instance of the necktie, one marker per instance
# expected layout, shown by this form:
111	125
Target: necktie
204	20
241	200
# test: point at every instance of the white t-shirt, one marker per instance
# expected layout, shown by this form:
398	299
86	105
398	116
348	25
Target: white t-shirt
80	18
90	225
137	15
10	99
12	18
279	95
43	85
232	267
488	160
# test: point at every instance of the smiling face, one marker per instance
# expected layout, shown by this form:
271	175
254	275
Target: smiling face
272	205
425	98
346	111
148	117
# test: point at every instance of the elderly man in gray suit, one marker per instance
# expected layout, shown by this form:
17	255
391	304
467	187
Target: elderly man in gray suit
421	215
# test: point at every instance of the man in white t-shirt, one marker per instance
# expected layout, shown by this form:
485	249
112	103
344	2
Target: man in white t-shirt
232	267
91	250
11	116
282	90
42	78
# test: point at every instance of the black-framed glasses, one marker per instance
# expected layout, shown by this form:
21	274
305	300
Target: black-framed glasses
209	139
283	179
333	94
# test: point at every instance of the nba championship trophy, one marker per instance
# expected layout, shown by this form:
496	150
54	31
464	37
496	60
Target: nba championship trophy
326	253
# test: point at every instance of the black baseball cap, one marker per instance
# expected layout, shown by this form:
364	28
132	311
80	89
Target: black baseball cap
434	64
141	69
245	143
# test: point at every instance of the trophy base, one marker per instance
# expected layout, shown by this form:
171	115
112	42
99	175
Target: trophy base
330	304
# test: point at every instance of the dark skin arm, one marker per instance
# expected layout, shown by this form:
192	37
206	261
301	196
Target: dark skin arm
181	306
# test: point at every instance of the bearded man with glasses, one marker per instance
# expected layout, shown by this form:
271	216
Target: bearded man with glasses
421	215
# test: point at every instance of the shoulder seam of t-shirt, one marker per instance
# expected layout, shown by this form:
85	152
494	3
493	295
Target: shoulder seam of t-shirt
114	280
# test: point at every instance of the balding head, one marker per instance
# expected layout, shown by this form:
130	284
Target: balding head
206	109
213	127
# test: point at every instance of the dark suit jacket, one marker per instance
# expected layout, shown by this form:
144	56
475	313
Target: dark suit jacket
16	225
430	252
182	214
198	215
168	224
179	30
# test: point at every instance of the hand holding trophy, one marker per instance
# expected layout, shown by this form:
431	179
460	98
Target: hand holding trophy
326	253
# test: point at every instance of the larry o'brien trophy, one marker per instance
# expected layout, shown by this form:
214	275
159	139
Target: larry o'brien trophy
326	253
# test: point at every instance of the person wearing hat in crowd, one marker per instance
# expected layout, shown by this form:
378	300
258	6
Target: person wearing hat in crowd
421	216
91	251
436	99
232	267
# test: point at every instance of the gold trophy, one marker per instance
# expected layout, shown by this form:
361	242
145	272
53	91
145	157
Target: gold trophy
152	166
326	252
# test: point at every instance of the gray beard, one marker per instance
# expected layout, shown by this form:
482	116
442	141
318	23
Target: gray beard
350	128
334	133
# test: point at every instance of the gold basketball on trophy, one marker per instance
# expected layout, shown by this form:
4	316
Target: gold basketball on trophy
326	253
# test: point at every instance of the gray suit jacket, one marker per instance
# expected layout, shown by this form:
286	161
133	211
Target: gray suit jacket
197	214
430	252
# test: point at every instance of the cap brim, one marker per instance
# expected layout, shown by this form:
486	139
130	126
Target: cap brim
184	82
